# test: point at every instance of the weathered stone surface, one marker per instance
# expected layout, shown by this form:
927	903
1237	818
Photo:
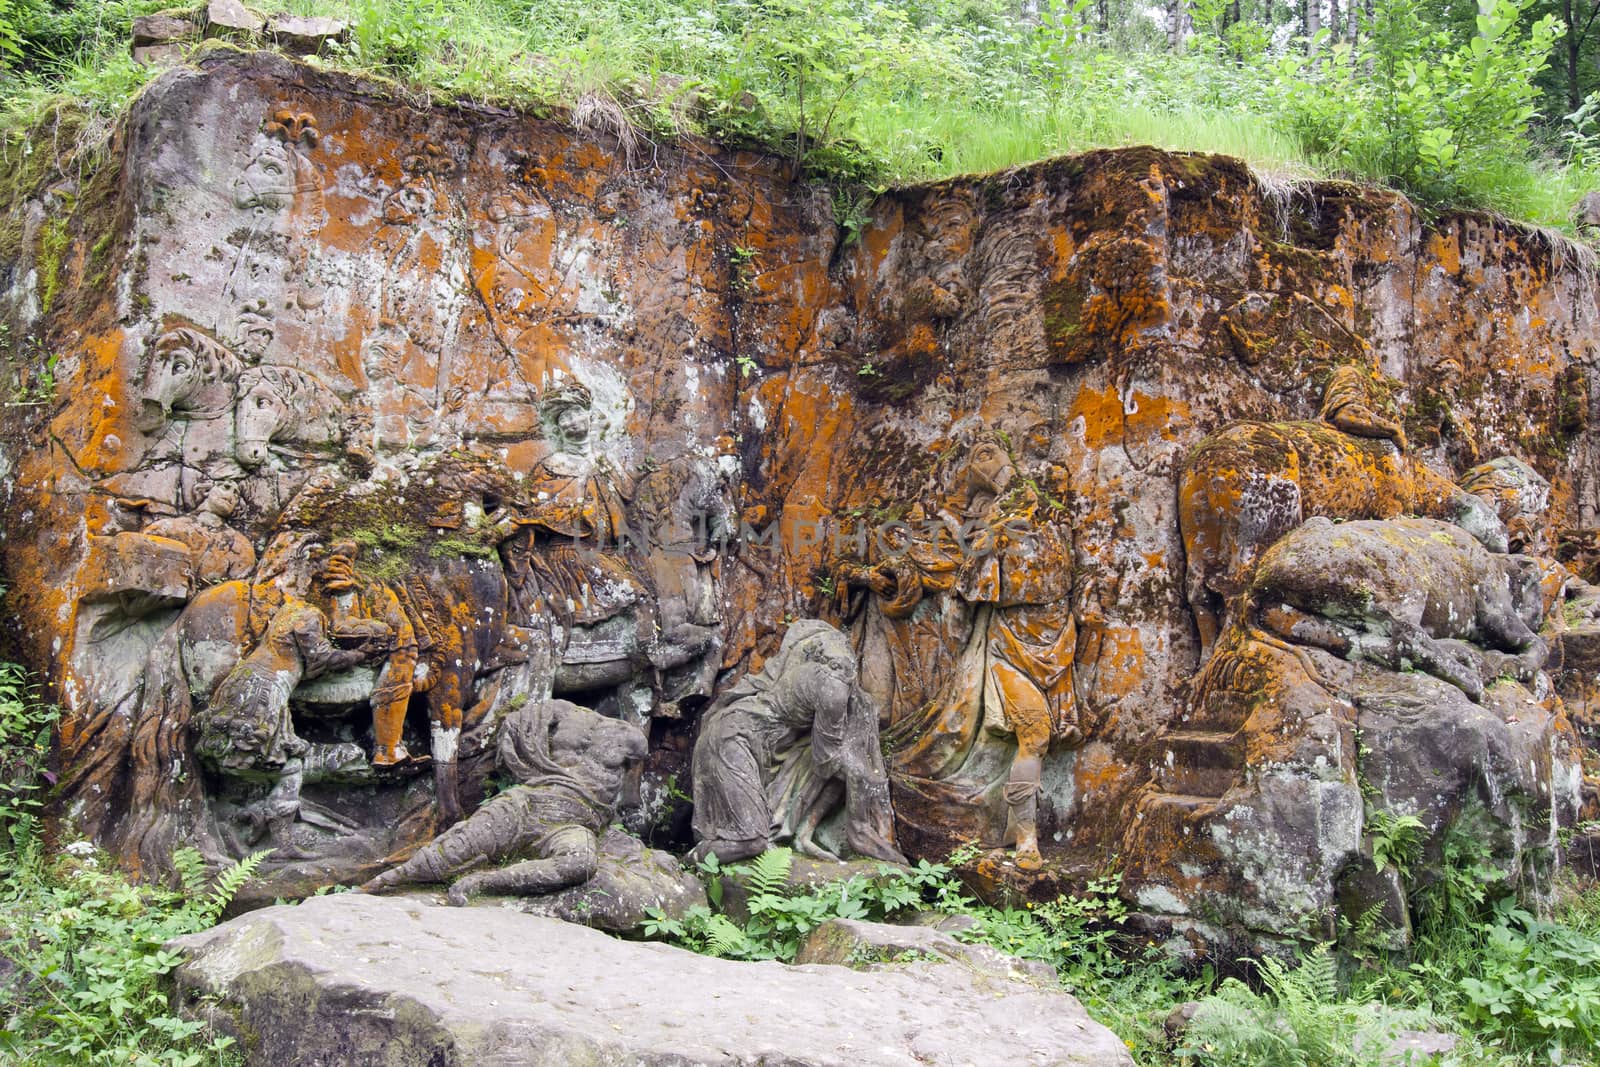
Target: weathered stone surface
230	17
162	29
868	945
629	882
485	348
354	979
1276	843
158	55
305	35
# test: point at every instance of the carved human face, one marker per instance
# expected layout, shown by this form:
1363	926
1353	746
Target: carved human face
255	333
574	424
222	500
989	469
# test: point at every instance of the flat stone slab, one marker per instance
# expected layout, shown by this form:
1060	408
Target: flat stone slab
227	17
305	35
356	979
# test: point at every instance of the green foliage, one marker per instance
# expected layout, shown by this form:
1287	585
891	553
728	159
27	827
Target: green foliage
781	916
1396	841
1414	107
88	948
26	727
1537	985
86	944
1299	1017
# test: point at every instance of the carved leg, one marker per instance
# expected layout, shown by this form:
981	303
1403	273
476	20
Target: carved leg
1205	621
273	813
390	698
1022	798
1409	643
445	704
727	851
827	796
1029	715
503	826
410	872
1302	628
575	865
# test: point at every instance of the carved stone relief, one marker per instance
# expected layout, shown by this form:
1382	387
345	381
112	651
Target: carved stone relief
1130	519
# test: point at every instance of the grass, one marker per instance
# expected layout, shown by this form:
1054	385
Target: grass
874	94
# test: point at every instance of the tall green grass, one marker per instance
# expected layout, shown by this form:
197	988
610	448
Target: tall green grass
855	90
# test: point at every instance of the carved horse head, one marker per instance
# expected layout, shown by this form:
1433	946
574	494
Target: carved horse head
284	409
185	374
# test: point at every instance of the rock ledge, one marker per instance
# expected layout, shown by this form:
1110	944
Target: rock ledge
354	979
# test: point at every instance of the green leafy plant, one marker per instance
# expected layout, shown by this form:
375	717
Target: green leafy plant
88	948
1396	840
26	726
1299	1017
84	942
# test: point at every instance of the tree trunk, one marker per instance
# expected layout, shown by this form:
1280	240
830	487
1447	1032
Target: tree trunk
1178	24
1313	19
1574	45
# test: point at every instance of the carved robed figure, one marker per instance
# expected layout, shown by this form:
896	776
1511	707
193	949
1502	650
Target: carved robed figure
780	750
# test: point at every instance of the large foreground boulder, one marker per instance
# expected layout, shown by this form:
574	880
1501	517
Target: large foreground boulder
355	979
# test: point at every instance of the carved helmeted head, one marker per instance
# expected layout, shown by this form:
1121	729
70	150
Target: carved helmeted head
279	171
567	415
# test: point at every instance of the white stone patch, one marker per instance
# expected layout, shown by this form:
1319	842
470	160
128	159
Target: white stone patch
445	743
1161	900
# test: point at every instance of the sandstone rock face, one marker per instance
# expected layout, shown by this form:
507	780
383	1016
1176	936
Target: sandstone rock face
868	945
305	35
603	423
351	979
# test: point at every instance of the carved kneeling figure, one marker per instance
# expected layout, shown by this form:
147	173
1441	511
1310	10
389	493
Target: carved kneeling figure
1404	593
787	746
569	764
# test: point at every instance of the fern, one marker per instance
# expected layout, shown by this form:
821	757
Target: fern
190	866
203	908
769	872
1302	1019
724	938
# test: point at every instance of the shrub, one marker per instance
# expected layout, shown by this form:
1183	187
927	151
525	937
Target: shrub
83	943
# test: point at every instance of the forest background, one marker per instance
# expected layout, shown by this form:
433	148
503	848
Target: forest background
1490	104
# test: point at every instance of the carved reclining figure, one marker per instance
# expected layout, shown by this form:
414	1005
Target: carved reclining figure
1404	593
569	764
1244	487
